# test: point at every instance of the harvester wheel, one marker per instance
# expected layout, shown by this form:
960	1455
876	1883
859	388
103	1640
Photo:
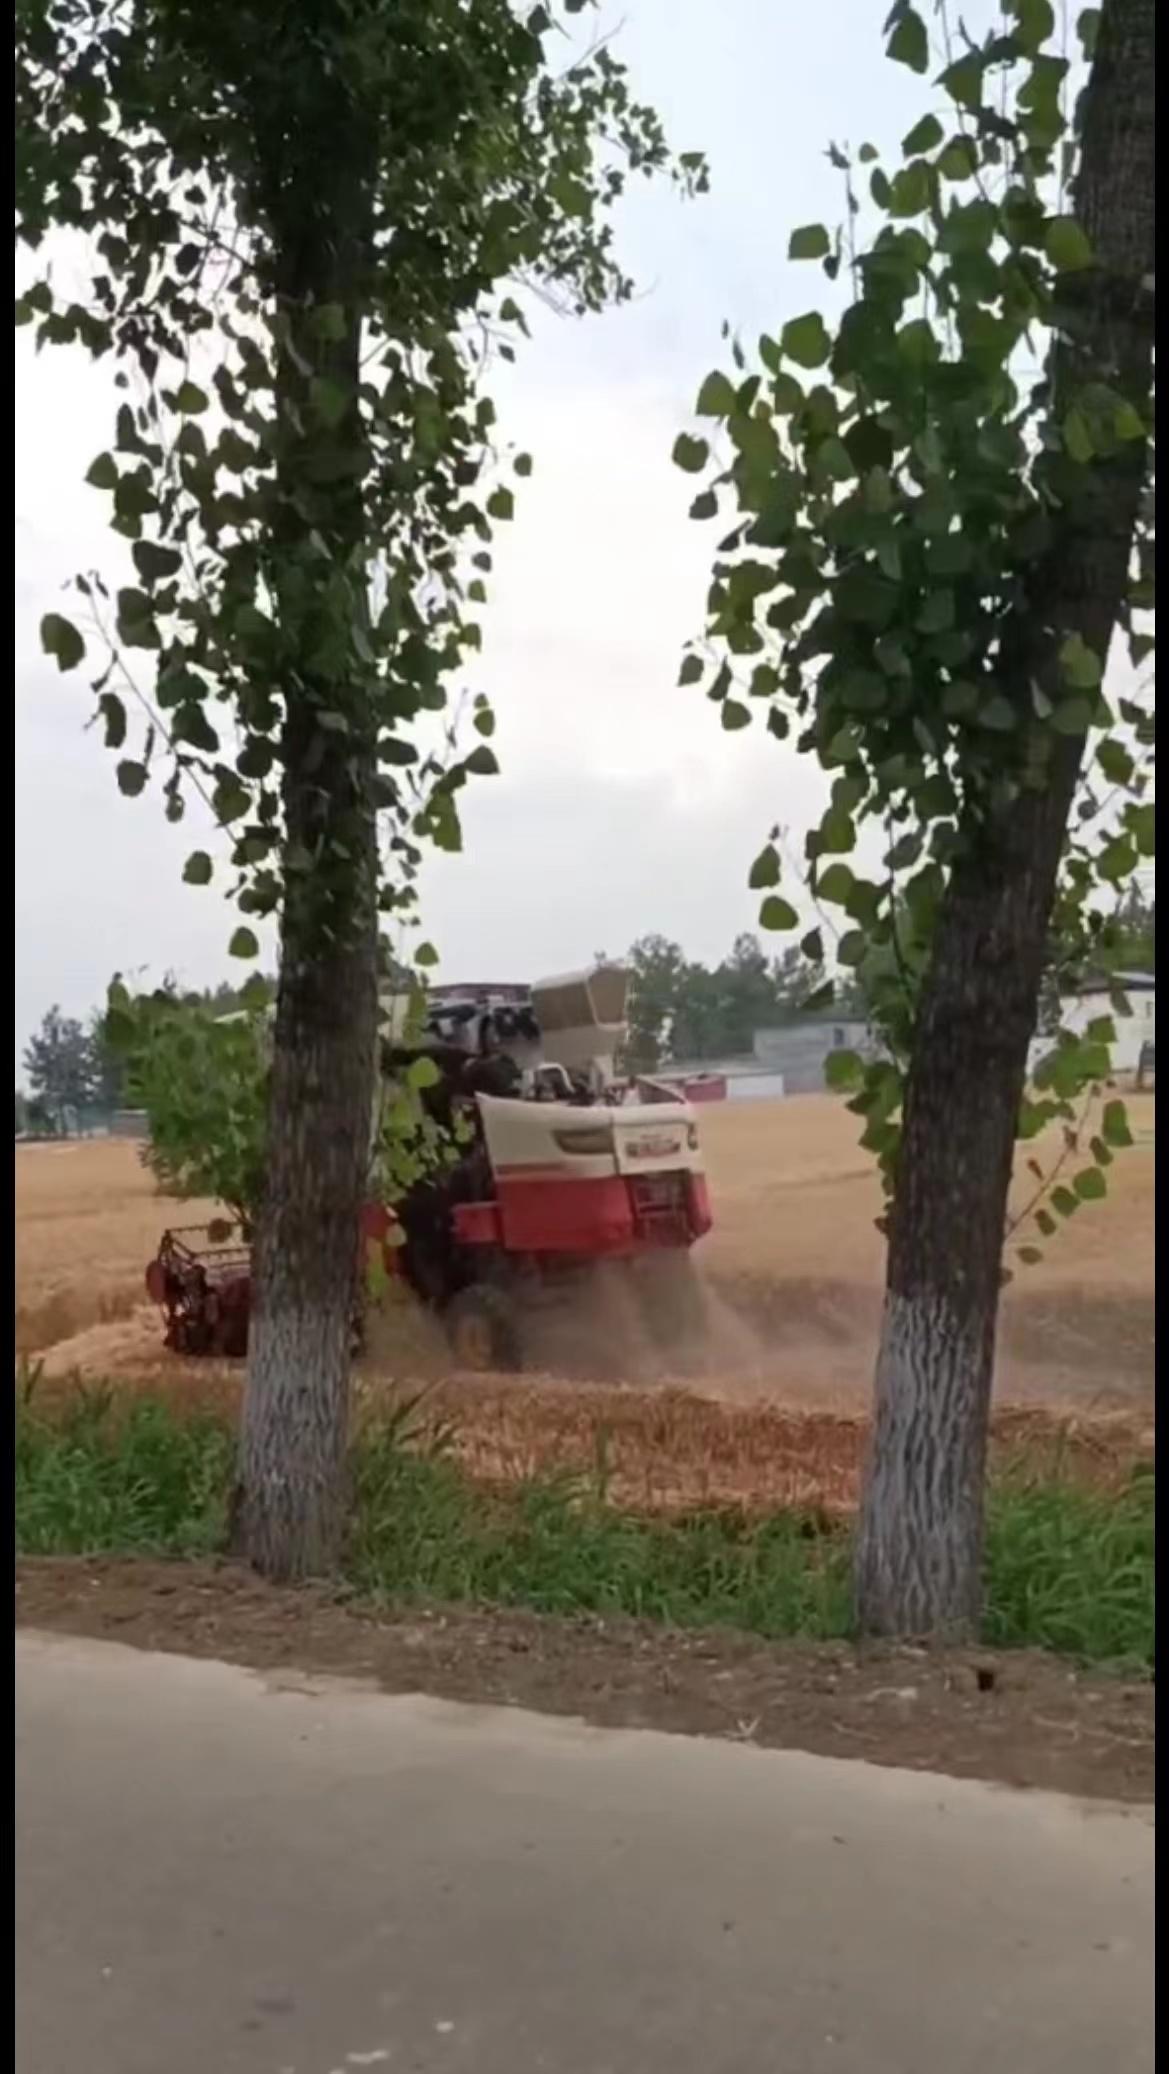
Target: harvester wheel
482	1331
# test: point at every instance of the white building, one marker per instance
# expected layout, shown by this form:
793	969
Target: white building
1136	1032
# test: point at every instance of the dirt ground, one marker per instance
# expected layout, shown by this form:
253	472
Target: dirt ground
1025	1719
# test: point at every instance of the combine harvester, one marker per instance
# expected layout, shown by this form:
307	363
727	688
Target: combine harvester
558	1178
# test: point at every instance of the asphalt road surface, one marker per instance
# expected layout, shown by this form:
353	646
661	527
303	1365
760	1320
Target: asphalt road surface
222	1873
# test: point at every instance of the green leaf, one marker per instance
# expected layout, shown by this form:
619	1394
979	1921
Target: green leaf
922	137
909	44
501	503
131	778
812	946
191	725
843	1069
937	612
1114	1126
765	870
1064	1201
394	751
230	799
777	913
523	464
1079	665
959	160
1087	29
735	715
1066	245
197	869
1142	826
811	241
837	832
705	505
102	474
113	712
1077	436
962	697
692	670
1072	716
833	461
244	944
963	80
805	340
136	627
835	884
1090	1185
716	398
1036	23
1029	1255
1127	422
910	190
690	454
426	955
852	947
153	563
60	637
190	399
482	762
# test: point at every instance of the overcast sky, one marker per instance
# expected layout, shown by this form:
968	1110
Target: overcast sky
622	806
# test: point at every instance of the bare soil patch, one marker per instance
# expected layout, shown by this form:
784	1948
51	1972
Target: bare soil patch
1023	1719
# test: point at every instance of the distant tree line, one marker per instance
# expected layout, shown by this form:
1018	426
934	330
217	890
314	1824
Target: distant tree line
682	1009
76	1076
678	1009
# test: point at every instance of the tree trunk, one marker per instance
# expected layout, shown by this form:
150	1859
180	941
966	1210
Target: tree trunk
291	1493
919	1549
296	1409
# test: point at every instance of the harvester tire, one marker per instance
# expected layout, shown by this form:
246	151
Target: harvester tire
482	1331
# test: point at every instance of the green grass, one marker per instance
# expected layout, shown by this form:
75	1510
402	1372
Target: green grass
94	1481
1069	1568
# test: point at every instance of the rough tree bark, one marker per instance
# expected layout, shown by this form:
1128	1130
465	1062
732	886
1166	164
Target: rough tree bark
291	1493
920	1537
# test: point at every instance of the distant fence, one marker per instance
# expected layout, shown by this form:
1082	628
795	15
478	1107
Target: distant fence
129	1123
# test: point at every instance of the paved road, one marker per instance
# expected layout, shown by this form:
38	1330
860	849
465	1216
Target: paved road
219	1874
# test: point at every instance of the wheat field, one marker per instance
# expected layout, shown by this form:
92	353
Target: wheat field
773	1402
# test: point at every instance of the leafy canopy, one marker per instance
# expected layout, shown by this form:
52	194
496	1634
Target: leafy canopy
886	484
306	473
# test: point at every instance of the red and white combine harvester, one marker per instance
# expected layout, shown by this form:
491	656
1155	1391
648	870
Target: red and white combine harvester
555	1176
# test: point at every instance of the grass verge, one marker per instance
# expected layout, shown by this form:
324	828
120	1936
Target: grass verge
1069	1567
